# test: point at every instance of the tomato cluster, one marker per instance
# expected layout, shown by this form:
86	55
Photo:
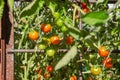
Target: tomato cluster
84	7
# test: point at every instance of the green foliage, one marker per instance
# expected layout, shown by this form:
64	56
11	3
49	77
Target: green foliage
67	57
32	8
1	7
94	18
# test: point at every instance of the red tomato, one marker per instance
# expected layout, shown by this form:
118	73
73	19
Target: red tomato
103	52
69	40
46	28
49	68
73	77
86	10
33	35
47	75
83	5
108	62
55	40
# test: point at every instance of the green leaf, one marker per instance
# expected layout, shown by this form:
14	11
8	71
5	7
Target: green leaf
52	6
1	8
90	42
94	18
73	31
32	8
11	4
67	57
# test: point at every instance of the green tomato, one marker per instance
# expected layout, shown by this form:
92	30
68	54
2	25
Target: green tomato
64	28
50	52
56	15
59	22
42	46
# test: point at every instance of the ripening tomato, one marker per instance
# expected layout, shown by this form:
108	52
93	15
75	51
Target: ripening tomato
55	40
47	75
108	62
95	70
50	52
73	77
42	46
86	10
103	52
69	40
33	35
83	5
49	68
46	28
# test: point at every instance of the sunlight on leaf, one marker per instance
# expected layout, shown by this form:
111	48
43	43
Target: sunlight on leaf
67	57
32	8
94	18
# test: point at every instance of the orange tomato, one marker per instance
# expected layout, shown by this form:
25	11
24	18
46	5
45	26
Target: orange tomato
69	40
103	52
73	77
33	35
55	40
46	28
86	10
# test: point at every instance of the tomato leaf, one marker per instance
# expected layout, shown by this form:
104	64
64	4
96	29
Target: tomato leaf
1	7
94	18
52	6
11	4
91	42
67	57
32	8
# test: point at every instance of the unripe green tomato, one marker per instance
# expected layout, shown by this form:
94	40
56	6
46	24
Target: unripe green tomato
42	46
59	22
56	15
64	28
50	52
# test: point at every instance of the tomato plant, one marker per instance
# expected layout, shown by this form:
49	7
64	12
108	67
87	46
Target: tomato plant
63	31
